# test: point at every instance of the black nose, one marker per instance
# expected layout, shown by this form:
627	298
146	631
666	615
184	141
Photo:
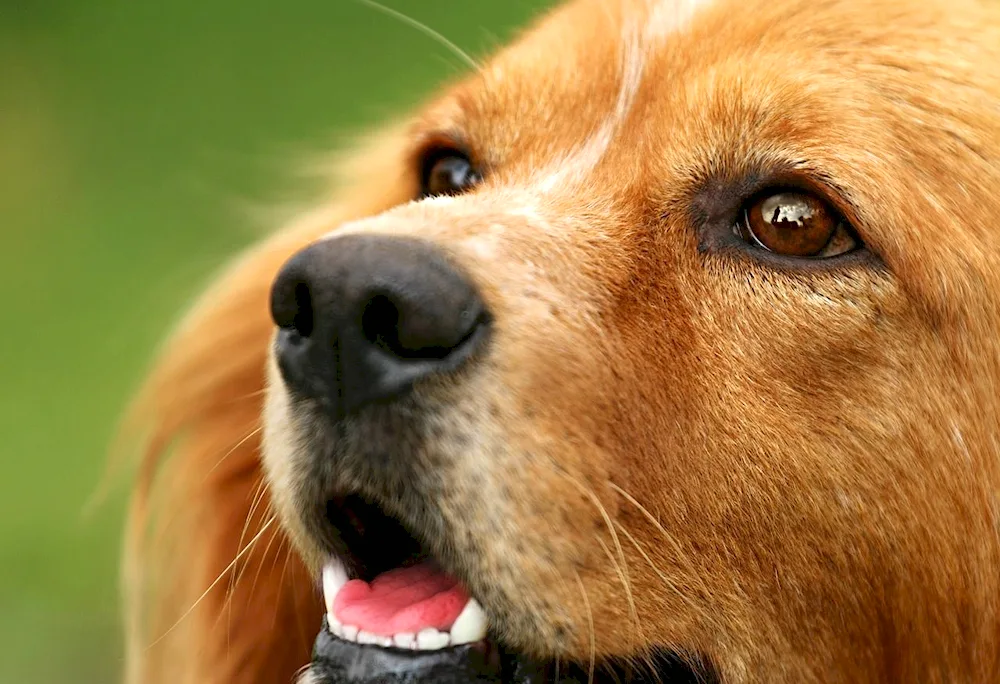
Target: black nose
362	317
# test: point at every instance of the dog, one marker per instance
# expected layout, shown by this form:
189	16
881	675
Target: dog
665	345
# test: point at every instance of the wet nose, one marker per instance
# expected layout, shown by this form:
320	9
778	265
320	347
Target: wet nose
363	317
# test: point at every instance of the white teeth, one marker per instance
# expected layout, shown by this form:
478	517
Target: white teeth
334	577
405	640
333	624
431	640
470	625
367	638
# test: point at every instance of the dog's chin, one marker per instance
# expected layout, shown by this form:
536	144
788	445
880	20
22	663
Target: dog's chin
393	615
337	661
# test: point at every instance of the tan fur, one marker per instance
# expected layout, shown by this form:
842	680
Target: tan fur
796	474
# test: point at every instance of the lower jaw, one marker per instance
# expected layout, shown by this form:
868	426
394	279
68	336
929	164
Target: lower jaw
380	546
337	661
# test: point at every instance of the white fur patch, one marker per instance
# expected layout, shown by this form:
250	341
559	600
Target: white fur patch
307	677
669	16
485	243
641	35
364	225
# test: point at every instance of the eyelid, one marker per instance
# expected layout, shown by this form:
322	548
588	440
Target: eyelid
437	142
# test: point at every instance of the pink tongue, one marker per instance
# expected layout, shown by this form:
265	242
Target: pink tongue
401	600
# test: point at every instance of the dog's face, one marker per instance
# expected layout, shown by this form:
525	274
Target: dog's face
686	343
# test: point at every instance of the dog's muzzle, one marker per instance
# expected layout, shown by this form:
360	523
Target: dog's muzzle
362	320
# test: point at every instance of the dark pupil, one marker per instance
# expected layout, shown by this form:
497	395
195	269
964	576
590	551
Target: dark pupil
449	175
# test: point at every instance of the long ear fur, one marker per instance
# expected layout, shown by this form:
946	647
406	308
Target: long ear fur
213	591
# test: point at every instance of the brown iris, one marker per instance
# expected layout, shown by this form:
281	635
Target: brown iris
448	172
796	224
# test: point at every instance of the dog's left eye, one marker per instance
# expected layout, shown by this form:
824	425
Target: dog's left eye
795	223
447	172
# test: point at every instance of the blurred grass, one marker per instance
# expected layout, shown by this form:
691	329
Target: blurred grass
139	144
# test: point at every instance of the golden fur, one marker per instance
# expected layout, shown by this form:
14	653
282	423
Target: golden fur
795	473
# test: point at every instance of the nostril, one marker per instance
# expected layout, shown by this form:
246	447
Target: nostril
292	304
412	331
302	318
380	324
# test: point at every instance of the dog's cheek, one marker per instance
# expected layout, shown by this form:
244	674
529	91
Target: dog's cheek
784	448
739	403
521	510
560	395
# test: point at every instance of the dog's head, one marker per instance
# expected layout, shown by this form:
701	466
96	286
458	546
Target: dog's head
681	337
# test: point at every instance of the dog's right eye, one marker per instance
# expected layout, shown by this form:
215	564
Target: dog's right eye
447	172
796	224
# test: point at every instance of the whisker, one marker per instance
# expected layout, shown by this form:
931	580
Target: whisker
590	622
623	577
253	395
284	551
306	635
666	580
274	564
263	558
622	568
214	584
258	499
253	433
235	577
425	29
662	530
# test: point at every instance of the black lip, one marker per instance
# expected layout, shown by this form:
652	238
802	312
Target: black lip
336	661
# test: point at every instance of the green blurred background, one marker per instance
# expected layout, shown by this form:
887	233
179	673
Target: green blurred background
141	144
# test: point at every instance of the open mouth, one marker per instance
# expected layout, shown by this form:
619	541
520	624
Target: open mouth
417	607
386	589
394	615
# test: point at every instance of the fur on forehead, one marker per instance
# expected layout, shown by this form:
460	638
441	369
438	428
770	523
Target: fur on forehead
679	91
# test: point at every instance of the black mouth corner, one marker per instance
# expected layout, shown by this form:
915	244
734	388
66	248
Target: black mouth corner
371	542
